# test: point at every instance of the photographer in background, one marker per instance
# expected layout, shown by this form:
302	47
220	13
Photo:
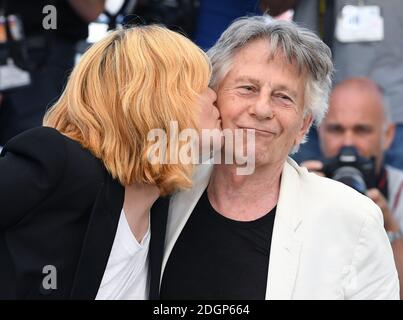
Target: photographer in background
358	117
49	57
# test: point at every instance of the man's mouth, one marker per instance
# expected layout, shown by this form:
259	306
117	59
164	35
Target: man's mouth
259	131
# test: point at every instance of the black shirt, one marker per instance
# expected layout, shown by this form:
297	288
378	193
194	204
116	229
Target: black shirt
219	258
382	183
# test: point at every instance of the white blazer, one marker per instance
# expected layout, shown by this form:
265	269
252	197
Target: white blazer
328	240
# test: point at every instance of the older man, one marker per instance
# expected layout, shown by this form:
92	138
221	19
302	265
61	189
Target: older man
281	232
357	117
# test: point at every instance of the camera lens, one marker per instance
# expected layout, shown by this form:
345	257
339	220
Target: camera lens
351	177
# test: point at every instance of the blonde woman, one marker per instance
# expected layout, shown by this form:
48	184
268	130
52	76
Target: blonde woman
76	194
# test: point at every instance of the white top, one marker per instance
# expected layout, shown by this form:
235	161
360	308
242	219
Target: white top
126	274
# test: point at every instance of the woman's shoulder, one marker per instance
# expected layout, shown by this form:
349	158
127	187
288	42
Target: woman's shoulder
48	148
30	137
36	144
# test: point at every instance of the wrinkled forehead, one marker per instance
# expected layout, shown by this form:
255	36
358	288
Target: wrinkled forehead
263	50
254	57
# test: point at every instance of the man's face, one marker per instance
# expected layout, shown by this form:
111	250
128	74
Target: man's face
266	95
355	118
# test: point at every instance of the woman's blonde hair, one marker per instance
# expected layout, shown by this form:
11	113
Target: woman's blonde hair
127	84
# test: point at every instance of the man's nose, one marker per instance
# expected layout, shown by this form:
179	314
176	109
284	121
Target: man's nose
263	108
348	139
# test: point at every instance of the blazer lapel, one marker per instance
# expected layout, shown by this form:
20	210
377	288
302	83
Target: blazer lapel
181	207
159	216
285	245
98	240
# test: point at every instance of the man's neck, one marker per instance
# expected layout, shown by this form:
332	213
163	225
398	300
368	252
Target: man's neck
244	198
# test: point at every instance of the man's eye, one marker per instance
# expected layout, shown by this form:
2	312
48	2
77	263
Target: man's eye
284	97
363	130
248	88
335	130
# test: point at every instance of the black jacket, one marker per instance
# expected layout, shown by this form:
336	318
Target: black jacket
60	207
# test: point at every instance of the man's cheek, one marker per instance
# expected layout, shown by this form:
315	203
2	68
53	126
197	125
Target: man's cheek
330	148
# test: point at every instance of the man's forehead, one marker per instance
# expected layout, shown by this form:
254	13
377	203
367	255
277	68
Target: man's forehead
348	124
354	110
253	69
260	51
348	118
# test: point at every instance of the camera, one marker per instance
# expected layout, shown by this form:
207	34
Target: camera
351	169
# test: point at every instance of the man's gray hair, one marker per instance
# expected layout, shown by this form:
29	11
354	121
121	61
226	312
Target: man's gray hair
298	45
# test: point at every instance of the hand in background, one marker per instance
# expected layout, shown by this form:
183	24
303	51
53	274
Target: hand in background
314	166
89	10
390	222
277	7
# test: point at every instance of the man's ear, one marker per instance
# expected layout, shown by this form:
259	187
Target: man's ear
306	124
389	136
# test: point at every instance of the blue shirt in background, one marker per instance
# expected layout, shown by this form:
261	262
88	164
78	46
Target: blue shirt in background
215	16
